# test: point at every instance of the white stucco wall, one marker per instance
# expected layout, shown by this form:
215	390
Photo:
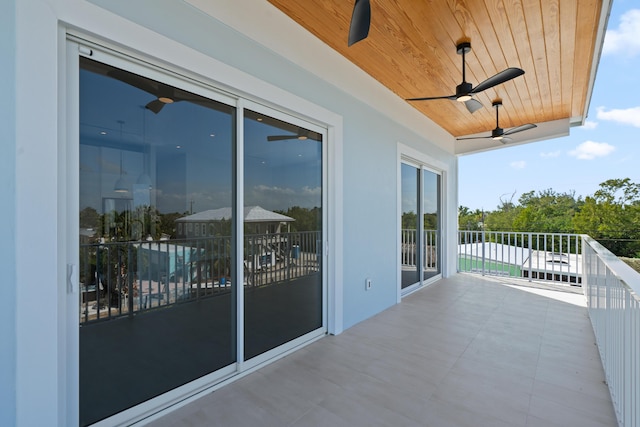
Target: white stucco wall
372	121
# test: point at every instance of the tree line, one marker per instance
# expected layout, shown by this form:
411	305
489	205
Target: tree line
611	215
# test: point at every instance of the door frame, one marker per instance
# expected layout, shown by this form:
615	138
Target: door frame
421	161
73	44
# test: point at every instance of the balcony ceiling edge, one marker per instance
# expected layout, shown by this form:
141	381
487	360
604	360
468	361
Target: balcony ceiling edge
543	131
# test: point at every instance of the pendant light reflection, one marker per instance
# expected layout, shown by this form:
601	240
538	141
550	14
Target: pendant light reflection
121	183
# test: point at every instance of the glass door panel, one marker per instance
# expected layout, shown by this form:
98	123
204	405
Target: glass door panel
410	225
283	289
157	307
431	224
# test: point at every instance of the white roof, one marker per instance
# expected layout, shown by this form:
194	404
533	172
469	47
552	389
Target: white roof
495	252
515	255
251	214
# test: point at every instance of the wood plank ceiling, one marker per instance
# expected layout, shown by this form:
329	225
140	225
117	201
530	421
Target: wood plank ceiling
411	49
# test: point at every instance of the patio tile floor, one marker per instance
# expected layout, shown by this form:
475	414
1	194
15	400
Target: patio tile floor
465	351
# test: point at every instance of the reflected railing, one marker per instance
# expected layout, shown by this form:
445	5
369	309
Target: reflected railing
409	248
552	257
125	278
612	289
276	257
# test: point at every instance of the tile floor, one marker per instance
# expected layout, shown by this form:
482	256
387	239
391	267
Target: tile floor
466	351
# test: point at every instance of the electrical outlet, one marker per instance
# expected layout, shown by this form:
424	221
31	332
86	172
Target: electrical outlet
367	284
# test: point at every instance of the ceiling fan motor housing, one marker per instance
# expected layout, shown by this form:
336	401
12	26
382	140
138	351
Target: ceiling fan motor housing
497	133
463	89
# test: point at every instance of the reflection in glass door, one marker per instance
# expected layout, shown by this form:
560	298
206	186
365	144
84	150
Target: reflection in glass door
283	292
410	225
420	225
431	224
158	292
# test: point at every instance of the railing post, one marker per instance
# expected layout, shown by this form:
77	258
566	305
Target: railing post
483	245
529	236
130	279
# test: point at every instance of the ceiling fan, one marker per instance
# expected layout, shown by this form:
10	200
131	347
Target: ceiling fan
302	135
360	21
465	90
499	134
164	93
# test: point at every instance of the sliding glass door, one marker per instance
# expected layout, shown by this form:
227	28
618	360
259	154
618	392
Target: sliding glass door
431	194
157	288
170	291
420	220
283	296
410	225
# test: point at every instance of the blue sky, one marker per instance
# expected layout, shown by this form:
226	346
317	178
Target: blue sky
606	147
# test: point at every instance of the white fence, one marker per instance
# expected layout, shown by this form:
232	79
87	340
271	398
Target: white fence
612	289
553	257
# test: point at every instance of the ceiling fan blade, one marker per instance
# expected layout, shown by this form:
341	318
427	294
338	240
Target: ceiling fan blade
155	106
501	77
473	137
520	128
360	21
133	80
281	137
473	105
451	97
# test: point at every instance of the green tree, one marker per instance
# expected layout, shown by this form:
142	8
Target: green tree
409	221
89	218
612	216
306	219
547	212
167	223
468	219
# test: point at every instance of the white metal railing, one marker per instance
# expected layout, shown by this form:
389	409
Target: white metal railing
409	251
612	289
120	279
534	256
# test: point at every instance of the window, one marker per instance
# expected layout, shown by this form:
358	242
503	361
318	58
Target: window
153	154
150	317
420	233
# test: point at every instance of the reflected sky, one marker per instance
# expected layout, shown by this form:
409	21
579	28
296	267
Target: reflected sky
410	190
185	148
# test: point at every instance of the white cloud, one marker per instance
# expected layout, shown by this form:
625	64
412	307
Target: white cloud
551	154
629	116
589	150
589	124
281	198
273	190
520	164
312	191
626	39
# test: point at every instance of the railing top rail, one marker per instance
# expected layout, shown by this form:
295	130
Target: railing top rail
520	232
628	277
